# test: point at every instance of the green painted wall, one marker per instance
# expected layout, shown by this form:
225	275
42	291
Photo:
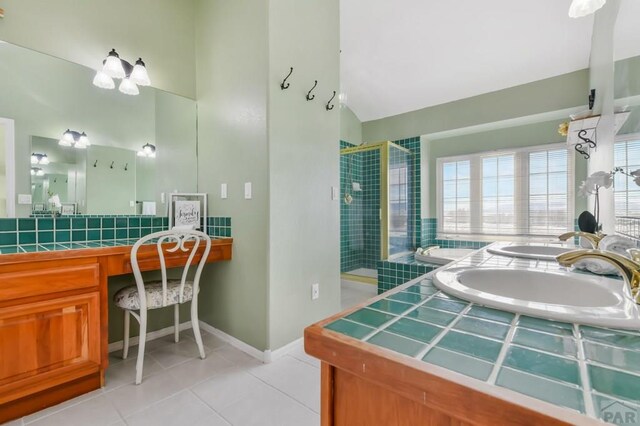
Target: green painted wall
303	166
350	126
232	62
3	176
110	190
249	130
552	94
160	31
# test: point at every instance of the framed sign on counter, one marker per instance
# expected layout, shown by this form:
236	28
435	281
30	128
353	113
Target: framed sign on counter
188	209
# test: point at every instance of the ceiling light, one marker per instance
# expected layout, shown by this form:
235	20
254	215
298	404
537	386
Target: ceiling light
37	158
139	74
148	150
132	75
74	139
128	87
103	81
113	65
37	171
580	8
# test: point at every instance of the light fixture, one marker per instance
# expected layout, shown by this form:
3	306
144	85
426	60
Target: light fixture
128	87
147	150
580	8
37	158
115	67
74	139
37	171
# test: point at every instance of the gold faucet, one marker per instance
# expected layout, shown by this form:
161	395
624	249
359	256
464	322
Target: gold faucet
629	269
594	239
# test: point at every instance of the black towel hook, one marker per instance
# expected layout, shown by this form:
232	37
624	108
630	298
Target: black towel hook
95	164
284	86
309	96
112	163
126	167
329	107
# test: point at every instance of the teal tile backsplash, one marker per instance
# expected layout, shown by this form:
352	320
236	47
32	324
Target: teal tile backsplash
65	230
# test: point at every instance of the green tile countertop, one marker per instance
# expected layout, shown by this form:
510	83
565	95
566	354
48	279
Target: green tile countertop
582	368
37	248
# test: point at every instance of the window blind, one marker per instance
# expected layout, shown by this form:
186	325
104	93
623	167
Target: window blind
626	192
520	192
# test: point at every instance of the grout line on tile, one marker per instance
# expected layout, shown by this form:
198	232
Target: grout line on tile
443	333
503	351
584	375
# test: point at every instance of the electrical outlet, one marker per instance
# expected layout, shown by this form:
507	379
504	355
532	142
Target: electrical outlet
223	191
315	291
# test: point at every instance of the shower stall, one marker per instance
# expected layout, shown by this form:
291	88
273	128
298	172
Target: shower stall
375	213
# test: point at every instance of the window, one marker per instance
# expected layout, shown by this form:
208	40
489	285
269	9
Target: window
456	201
517	192
626	192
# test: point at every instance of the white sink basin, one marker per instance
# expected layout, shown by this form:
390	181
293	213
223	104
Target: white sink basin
539	252
563	296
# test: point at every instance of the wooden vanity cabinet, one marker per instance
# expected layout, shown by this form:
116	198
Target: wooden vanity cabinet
50	333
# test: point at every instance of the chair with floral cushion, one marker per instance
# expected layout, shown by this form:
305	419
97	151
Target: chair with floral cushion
137	299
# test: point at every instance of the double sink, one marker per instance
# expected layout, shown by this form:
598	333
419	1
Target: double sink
550	293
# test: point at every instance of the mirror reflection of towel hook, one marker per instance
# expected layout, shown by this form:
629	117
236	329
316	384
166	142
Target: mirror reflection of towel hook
126	167
329	107
95	164
284	86
309	96
112	163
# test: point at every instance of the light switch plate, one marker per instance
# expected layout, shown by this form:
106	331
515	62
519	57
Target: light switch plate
24	198
223	191
335	194
247	190
132	203
162	197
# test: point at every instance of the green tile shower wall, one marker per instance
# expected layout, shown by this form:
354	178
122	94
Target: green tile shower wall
360	221
80	229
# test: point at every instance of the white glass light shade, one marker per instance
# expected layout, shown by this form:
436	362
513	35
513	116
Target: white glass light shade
64	142
44	160
68	137
40	172
128	87
580	8
103	81
34	159
141	154
113	66
139	74
33	172
83	140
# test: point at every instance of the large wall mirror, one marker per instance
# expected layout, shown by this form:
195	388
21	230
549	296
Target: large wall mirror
48	104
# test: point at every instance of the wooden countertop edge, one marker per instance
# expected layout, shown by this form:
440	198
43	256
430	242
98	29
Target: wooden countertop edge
14	258
444	390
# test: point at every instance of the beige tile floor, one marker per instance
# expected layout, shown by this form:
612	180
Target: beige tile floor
227	388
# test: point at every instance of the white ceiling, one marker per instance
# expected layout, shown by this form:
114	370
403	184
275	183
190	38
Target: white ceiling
402	55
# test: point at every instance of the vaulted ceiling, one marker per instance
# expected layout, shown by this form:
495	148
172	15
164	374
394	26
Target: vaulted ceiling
402	55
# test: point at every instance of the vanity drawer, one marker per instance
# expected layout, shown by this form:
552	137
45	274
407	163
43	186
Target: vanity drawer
36	282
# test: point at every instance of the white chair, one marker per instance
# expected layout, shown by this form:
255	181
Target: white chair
165	292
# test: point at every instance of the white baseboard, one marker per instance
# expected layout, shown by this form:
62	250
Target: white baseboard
266	356
115	346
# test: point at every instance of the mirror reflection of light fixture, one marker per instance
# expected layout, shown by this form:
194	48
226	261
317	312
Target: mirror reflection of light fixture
580	8
132	75
37	158
74	139
148	150
37	171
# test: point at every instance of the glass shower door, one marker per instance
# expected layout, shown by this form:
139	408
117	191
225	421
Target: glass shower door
399	201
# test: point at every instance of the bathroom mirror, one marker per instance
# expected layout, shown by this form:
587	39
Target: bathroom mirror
43	97
77	178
